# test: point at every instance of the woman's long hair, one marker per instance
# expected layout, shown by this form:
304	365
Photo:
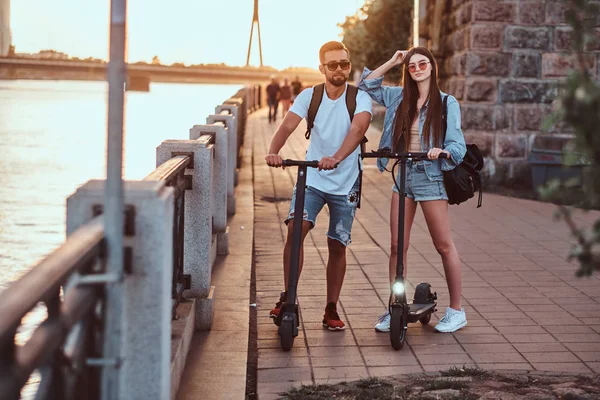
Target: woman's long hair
407	111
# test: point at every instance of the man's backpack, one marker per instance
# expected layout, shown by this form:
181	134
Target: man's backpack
465	179
315	102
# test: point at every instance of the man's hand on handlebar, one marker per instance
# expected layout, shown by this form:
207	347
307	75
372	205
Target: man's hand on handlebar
328	163
434	153
274	160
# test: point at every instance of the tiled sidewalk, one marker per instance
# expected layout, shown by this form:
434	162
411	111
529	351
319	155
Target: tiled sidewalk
526	309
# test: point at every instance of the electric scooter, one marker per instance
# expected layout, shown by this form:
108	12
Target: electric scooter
287	320
424	302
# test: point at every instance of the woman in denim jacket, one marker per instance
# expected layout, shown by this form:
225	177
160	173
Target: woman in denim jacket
413	122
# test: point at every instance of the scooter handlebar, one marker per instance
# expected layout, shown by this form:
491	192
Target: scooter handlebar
300	163
386	153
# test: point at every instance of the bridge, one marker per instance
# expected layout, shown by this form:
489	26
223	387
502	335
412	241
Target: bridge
26	68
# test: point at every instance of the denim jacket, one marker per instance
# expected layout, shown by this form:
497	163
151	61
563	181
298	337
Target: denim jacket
390	97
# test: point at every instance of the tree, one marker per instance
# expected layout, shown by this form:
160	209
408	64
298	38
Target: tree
579	108
376	31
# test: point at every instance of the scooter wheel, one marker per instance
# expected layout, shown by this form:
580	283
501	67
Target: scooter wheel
425	320
286	335
398	325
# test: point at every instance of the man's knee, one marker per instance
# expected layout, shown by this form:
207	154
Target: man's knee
336	247
306	227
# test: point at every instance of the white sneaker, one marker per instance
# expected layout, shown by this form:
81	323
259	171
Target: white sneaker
383	323
452	321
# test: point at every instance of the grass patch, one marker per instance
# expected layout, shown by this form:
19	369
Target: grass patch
373	389
373	383
311	392
365	389
439	384
465	371
588	380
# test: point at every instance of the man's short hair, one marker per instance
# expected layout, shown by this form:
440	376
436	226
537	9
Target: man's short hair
331	46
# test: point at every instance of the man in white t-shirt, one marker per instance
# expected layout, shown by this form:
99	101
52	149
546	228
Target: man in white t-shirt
334	140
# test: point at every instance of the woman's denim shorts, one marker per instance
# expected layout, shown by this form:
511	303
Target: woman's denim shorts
419	186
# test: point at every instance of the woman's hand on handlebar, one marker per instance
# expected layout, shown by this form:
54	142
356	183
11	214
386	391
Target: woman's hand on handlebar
274	160
328	163
434	153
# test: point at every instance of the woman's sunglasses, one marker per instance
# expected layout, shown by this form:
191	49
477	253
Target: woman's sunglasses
422	66
333	65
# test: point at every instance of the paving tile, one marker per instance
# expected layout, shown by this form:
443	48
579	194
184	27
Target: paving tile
336	361
589	356
369	337
551	357
428	359
576	368
395	370
484	338
540	347
505	366
341	372
387	356
437	349
318	338
526	338
578	338
570	329
499	357
594	366
438	339
281	362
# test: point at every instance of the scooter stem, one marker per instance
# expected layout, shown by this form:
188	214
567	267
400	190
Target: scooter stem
401	209
297	235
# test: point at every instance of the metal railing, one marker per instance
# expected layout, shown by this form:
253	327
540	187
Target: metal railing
66	346
173	173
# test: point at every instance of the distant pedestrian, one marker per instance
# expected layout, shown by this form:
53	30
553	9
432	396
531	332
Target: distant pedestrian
296	88
286	96
273	93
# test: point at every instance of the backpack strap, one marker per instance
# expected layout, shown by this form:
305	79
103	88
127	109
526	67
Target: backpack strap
444	118
315	102
351	94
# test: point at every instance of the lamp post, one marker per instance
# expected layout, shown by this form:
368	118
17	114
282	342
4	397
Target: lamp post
113	200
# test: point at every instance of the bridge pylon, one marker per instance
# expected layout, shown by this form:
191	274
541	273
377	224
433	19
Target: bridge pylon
255	20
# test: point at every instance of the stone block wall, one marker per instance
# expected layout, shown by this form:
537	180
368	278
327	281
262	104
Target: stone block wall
502	59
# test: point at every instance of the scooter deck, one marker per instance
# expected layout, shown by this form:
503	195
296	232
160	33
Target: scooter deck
418	310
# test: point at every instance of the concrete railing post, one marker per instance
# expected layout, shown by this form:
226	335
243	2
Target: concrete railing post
233	109
145	328
229	122
199	241
220	181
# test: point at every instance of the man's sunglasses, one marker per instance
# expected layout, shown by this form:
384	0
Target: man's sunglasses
333	65
422	66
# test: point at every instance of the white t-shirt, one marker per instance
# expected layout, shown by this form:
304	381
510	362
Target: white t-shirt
331	126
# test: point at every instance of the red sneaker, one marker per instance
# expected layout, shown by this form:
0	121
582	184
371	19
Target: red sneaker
275	311
331	319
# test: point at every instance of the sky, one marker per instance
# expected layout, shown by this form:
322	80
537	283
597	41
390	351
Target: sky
188	31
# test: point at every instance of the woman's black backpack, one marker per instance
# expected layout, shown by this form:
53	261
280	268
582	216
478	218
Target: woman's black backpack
463	181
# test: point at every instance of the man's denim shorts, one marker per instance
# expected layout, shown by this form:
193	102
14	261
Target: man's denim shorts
341	210
419	186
